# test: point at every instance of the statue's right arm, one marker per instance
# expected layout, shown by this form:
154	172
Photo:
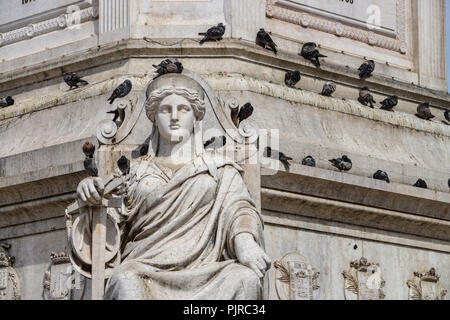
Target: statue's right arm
90	191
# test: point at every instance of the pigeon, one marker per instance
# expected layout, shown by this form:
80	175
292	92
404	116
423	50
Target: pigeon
121	91
89	162
73	80
88	149
264	40
311	53
424	112
366	98
328	88
421	184
124	165
6	102
447	115
292	78
273	154
245	112
170	65
381	175
213	34
309	161
215	142
388	104
366	69
343	164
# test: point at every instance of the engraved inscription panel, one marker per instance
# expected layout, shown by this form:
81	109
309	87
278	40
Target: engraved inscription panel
17	10
364	13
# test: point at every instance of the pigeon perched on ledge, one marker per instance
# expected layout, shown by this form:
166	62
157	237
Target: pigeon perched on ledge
328	89
388	104
343	164
89	161
73	80
170	65
277	155
245	112
421	184
366	98
6	102
291	78
381	175
309	161
121	91
124	165
366	69
311	53
264	40
424	112
215	142
213	34
447	117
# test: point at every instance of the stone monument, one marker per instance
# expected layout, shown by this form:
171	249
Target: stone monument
317	219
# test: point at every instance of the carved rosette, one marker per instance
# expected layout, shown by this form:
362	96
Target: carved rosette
61	281
425	286
363	281
295	278
9	278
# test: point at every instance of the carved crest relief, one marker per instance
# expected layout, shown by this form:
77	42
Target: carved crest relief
9	279
425	286
295	278
61	281
363	281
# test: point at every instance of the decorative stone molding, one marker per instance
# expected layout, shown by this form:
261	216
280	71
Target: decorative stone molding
43	27
295	278
10	288
425	286
363	281
306	20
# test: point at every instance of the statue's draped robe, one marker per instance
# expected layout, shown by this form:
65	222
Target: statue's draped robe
178	230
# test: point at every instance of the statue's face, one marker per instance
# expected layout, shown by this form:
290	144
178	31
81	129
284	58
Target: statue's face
175	119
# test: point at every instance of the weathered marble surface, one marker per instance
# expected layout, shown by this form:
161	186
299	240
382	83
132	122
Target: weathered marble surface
394	225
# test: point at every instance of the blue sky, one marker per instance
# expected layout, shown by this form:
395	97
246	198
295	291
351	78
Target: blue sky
447	13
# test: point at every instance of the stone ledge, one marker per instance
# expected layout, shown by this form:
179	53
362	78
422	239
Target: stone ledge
296	221
239	83
358	191
185	48
355	214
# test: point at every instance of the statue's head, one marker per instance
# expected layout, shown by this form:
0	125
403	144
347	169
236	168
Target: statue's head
175	103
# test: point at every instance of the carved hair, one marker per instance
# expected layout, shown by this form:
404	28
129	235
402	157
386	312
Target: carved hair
155	98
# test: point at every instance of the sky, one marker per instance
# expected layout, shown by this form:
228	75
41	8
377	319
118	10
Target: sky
447	14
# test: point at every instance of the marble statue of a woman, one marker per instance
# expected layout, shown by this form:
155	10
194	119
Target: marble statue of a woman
189	229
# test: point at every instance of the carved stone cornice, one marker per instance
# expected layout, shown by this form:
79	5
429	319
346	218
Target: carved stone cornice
39	28
306	20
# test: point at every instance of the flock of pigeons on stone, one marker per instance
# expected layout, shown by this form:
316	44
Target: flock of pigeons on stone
309	51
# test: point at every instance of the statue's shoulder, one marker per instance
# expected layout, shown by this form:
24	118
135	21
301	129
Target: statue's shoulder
221	161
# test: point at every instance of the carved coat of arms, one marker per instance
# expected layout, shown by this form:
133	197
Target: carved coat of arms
425	286
9	279
61	281
295	278
363	281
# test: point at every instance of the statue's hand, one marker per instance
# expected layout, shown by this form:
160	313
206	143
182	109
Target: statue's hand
90	191
250	254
